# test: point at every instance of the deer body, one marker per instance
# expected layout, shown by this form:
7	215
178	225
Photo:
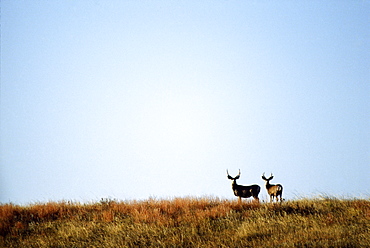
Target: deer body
274	190
242	191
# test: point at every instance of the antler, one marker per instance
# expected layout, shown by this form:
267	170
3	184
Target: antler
228	176
263	176
232	178
267	179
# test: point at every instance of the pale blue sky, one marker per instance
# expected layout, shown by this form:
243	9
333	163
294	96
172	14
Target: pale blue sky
138	99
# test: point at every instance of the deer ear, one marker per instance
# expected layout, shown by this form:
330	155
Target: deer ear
237	177
230	177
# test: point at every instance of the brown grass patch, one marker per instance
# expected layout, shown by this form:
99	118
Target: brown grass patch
187	222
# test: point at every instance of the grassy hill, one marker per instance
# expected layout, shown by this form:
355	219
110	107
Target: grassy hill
187	222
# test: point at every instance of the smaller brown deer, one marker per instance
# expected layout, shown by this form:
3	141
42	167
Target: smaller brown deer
274	190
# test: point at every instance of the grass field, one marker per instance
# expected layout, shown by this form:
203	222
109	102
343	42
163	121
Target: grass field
187	222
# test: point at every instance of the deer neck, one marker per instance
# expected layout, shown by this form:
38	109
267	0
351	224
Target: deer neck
268	185
234	184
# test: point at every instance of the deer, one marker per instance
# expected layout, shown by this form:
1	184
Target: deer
274	190
242	191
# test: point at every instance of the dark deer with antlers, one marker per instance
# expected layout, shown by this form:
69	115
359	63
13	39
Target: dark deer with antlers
274	190
242	191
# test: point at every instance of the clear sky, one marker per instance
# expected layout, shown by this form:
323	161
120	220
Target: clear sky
139	99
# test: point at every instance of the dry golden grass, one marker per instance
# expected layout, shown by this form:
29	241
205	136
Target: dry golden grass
187	222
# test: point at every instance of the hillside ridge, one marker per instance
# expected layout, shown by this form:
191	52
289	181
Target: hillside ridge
187	222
